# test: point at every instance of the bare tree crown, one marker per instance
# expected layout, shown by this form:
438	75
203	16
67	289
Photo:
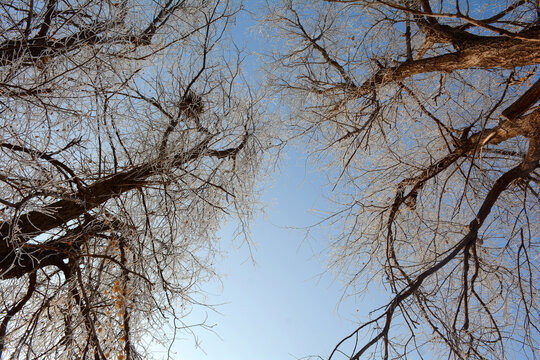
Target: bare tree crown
126	135
128	131
425	113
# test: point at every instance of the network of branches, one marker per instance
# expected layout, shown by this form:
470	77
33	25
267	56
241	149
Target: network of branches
126	134
425	114
127	131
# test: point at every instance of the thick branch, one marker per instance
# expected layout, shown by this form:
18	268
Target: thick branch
32	257
530	163
524	103
15	309
487	53
36	222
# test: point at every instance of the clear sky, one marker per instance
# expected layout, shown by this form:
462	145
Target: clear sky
285	305
281	307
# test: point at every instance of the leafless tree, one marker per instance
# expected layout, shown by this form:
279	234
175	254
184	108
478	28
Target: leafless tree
127	133
425	115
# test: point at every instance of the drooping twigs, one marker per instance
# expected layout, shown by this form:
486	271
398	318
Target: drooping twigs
531	162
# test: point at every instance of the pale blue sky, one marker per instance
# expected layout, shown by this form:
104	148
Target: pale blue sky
285	306
281	307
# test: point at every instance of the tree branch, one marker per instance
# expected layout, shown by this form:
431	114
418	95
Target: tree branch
521	171
36	222
486	53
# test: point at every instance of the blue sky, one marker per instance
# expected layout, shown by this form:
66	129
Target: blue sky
281	304
285	306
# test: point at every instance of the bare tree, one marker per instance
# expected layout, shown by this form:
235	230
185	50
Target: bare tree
425	115
127	133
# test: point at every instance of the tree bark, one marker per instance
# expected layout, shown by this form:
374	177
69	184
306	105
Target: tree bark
485	53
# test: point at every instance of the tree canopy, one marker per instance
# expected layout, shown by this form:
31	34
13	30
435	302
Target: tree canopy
128	133
425	115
